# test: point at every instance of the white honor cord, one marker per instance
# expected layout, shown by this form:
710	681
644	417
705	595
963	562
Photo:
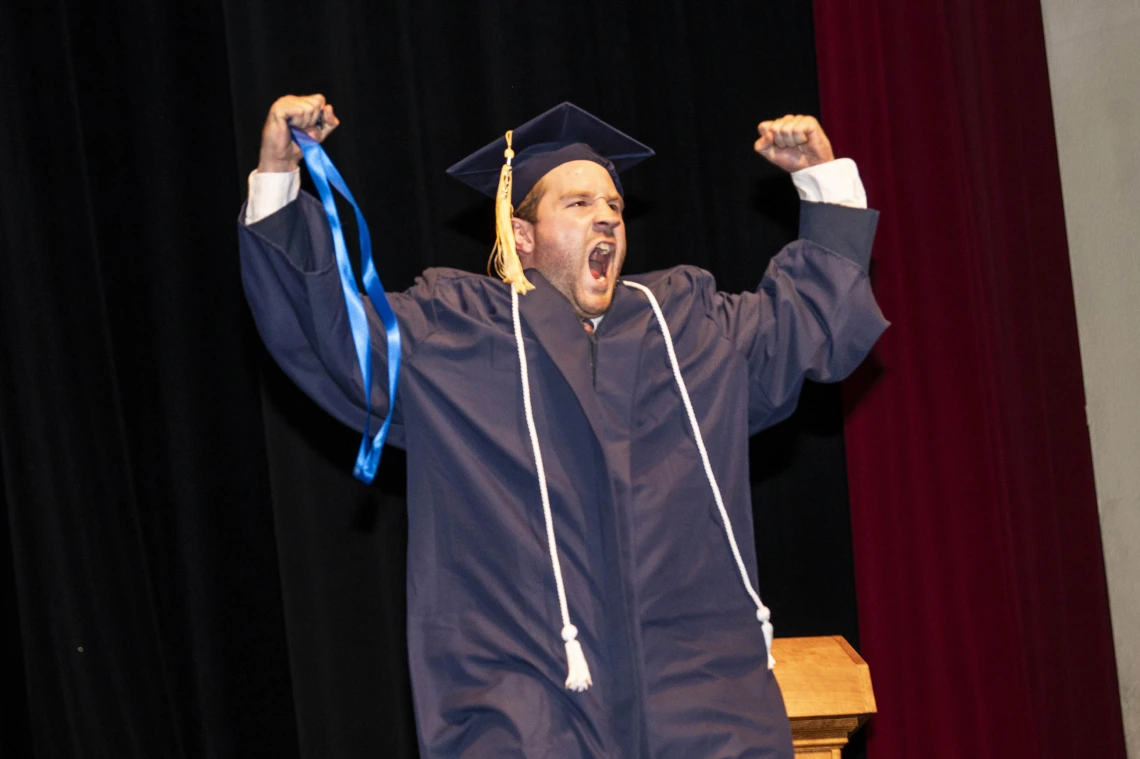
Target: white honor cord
762	612
578	676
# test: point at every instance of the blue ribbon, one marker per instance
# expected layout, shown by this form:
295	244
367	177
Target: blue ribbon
323	172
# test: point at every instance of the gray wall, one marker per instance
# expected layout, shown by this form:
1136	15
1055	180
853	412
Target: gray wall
1094	70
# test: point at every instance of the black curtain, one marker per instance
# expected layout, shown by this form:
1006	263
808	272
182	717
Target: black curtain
188	567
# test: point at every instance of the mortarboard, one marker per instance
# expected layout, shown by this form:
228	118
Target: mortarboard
564	133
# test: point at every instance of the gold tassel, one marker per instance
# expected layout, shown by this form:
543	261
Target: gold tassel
504	258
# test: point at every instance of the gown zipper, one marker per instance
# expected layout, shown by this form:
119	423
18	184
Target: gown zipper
593	337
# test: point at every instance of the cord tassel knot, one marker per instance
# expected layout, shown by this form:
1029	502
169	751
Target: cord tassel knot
578	677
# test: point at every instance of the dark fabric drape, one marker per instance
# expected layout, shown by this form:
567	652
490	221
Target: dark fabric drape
982	597
189	568
138	506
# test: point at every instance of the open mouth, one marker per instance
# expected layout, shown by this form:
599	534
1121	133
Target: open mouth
600	258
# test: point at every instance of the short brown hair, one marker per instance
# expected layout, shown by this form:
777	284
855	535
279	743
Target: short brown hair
528	208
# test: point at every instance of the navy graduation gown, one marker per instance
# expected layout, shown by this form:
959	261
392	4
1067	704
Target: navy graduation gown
671	637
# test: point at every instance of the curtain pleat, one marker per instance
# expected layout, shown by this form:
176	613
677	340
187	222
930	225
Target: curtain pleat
982	599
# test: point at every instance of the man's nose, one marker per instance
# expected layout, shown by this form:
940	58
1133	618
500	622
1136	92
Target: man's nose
607	219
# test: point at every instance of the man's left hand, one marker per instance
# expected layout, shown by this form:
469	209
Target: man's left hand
793	142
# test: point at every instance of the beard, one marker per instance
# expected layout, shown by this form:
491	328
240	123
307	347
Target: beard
569	271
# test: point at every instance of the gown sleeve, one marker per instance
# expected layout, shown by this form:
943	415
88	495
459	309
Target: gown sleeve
813	315
293	287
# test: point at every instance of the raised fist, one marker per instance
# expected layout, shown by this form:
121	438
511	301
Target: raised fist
308	112
793	142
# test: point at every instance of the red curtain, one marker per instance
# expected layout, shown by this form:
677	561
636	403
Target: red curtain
982	598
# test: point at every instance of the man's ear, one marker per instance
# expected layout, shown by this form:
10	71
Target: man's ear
524	238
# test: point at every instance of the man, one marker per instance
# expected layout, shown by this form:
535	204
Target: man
576	441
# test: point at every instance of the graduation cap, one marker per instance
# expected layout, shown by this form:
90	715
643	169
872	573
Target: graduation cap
564	133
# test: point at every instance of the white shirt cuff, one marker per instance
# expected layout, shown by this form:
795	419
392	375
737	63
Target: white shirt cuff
270	192
835	182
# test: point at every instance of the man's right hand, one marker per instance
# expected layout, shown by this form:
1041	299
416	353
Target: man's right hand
308	112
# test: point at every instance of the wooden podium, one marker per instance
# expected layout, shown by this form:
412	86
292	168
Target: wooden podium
827	691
